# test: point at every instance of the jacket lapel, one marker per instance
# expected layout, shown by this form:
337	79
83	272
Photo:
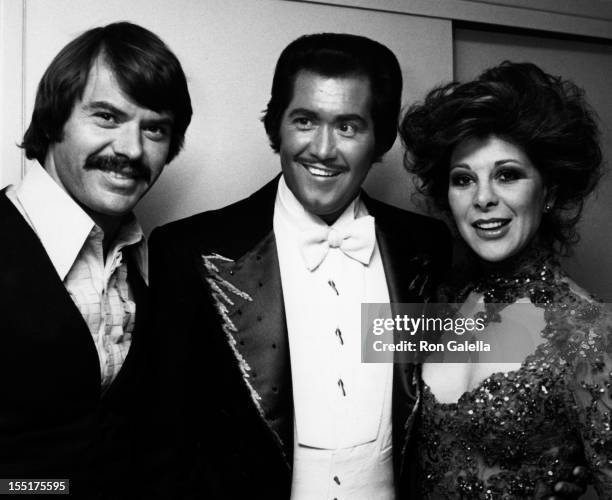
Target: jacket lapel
247	295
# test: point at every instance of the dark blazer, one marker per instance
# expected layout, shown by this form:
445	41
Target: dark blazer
53	421
222	350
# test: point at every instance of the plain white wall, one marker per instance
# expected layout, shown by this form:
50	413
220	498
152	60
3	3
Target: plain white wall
577	17
228	49
590	66
11	90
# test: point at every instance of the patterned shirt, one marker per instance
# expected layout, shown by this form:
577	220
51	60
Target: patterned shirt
98	286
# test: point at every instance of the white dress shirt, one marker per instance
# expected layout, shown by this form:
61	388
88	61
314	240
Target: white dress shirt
73	242
342	407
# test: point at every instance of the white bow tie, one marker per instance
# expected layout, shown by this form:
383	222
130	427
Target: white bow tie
355	239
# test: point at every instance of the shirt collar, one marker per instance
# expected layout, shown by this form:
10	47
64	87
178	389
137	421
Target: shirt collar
59	222
131	234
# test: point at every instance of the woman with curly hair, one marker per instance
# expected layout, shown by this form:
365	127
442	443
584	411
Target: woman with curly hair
512	156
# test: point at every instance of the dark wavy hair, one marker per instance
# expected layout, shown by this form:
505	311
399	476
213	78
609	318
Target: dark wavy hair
145	68
544	115
339	55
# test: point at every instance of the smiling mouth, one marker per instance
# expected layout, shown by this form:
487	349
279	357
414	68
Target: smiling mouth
124	174
321	172
127	177
491	224
491	229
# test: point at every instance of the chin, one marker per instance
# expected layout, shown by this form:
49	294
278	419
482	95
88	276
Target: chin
493	259
493	256
116	210
319	207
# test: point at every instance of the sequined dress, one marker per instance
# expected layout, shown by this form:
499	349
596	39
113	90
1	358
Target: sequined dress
517	433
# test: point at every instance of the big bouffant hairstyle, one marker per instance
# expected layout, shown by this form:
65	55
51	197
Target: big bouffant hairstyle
145	69
544	115
339	55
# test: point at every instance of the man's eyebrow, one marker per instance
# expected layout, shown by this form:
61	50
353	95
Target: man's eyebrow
104	105
340	118
351	117
301	111
164	119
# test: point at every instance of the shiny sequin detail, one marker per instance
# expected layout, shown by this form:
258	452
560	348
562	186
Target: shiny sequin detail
518	433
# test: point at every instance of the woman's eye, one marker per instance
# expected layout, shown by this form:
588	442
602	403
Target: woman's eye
508	175
460	180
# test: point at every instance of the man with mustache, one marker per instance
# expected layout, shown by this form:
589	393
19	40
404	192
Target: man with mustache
111	111
265	389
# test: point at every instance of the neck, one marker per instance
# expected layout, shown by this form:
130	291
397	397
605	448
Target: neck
527	257
330	219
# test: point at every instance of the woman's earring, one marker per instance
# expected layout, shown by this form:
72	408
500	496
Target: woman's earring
547	208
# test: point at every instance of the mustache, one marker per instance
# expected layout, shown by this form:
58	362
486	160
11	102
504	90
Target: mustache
118	164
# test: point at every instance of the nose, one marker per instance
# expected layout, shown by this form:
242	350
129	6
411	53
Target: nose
323	145
128	141
485	196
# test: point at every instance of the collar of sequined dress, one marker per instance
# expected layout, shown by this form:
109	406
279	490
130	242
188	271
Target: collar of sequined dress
531	274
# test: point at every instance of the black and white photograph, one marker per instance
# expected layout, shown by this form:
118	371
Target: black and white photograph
306	249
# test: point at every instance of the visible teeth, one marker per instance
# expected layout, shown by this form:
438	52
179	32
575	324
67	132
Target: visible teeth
489	225
121	175
321	172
